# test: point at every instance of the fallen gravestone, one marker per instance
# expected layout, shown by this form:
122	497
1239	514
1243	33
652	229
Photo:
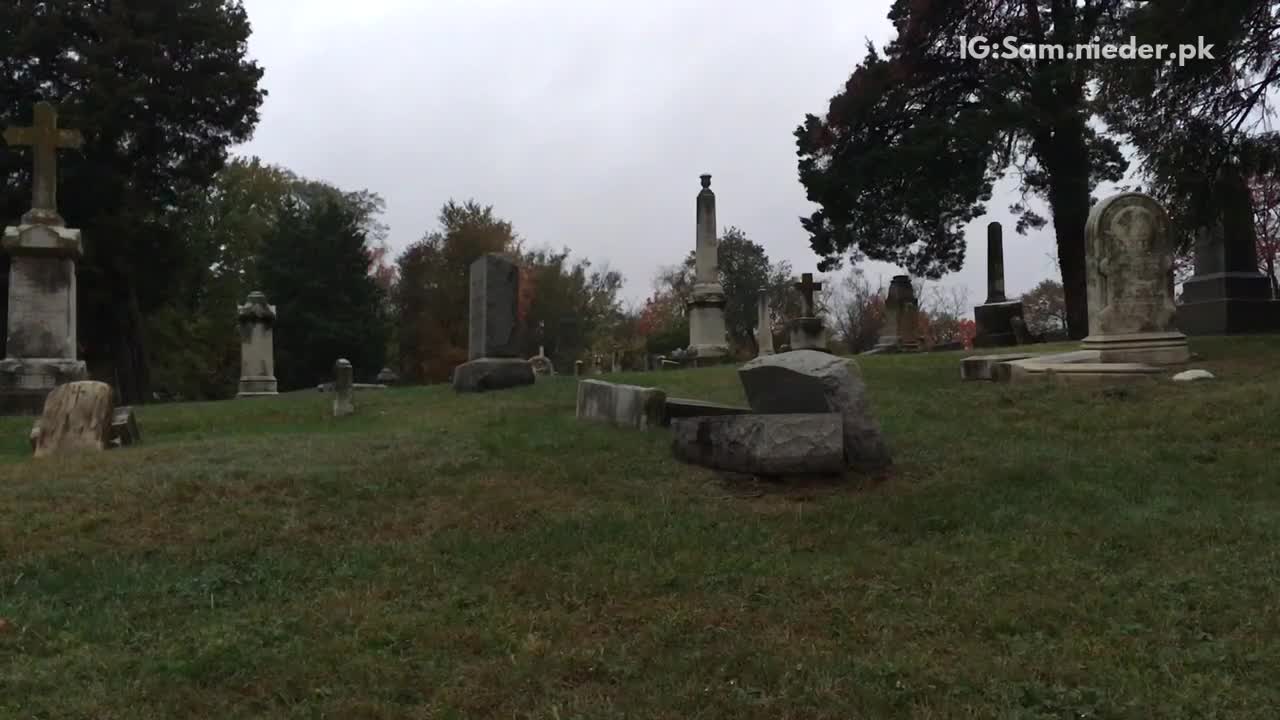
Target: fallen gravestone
685	408
808	381
769	445
77	416
629	406
983	367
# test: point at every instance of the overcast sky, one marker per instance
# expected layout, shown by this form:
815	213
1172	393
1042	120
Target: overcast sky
585	123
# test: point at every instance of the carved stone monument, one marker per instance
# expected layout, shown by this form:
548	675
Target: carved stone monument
493	334
40	349
1227	294
806	331
901	319
994	318
706	310
1129	265
764	325
257	347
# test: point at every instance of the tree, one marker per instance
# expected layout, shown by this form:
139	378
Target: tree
432	295
907	154
315	267
1266	218
1044	308
858	311
160	89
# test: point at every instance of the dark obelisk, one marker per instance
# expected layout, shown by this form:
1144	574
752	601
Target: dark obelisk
994	317
1228	294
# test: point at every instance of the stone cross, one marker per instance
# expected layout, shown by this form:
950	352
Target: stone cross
807	288
995	264
44	138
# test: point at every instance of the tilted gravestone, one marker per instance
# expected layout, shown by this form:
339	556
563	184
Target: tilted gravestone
494	332
40	349
1129	252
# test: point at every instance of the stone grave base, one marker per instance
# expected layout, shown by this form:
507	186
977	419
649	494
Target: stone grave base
995	324
1080	366
686	408
808	334
1229	316
763	444
1157	348
257	386
26	382
485	374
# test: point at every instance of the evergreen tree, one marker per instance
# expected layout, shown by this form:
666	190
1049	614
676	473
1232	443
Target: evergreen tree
315	268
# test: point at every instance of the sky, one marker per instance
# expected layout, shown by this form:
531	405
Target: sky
586	123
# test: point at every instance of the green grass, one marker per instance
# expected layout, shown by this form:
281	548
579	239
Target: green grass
1038	552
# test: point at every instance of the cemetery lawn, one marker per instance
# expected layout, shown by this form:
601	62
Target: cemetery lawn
1038	552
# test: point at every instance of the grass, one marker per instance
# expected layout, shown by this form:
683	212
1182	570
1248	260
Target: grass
1038	552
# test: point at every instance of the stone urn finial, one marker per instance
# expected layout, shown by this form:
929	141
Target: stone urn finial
706	181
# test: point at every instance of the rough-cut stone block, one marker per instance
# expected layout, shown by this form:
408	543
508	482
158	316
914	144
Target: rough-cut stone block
495	294
77	416
124	428
684	408
629	406
771	445
808	381
983	367
492	374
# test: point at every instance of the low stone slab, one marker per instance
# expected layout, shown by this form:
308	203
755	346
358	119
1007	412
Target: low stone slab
492	374
1072	367
124	428
770	445
76	417
684	408
983	367
628	406
808	381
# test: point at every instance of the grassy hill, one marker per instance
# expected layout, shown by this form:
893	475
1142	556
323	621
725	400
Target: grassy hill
1038	552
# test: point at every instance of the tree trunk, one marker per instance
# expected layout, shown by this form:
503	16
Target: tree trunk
128	352
1066	160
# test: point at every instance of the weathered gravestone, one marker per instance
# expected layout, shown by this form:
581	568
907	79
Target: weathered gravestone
40	349
77	416
1227	294
764	325
343	394
493	333
257	347
124	428
808	381
806	331
1129	252
541	364
387	376
628	406
901	319
706	308
995	317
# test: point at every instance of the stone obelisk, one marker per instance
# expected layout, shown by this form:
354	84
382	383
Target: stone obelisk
994	318
706	310
40	349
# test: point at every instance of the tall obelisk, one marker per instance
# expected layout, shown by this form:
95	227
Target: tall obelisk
706	309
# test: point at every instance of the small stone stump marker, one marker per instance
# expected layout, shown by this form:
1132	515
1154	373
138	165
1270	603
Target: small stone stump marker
343	393
77	417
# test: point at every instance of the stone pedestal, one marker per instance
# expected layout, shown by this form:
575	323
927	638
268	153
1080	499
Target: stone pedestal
901	319
808	333
764	325
40	350
257	347
1129	263
343	393
707	334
